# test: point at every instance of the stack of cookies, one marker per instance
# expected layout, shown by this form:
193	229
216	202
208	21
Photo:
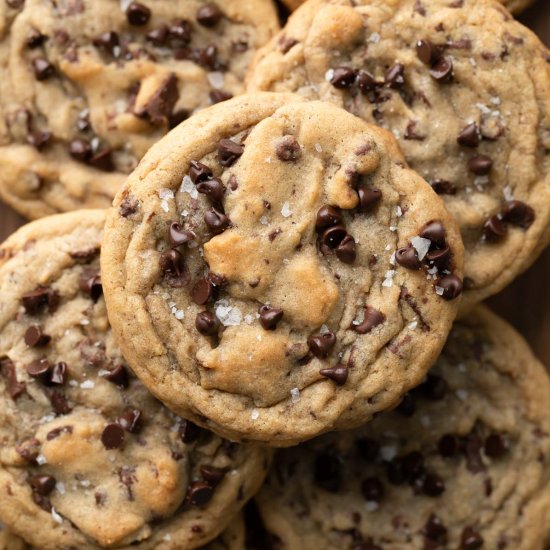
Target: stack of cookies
264	330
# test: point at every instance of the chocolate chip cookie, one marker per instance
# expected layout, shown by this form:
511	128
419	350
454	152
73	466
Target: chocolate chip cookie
89	458
515	6
464	88
462	463
273	269
89	86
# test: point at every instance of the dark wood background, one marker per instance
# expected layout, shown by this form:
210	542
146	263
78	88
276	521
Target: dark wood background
526	303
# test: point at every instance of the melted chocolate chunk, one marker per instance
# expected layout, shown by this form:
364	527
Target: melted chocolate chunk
160	105
443	187
343	78
368	198
58	374
209	15
43	69
42	484
38	300
29	450
216	221
288	149
394	77
112	436
346	251
202	292
130	420
40	369
199	172
15	388
174	270
118	376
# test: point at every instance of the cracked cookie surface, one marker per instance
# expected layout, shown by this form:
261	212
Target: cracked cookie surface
463	87
89	86
89	458
463	462
273	270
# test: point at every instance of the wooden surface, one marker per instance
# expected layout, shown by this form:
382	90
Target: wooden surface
526	303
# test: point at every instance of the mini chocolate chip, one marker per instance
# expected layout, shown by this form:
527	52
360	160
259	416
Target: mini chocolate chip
107	42
372	489
216	221
343	78
213	189
208	57
29	449
40	369
59	403
338	374
188	431
470	539
202	292
35	338
173	267
327	216
91	285
480	165
130	420
434	530
434	232
218	281
286	44
35	39
229	152
371	320
270	317
426	52
158	36
443	187
433	485
58	376
138	14
42	484
209	15
440	257
495	446
43	69
321	344
368	197
112	436
366	82
408	258
518	213
199	493
346	251
180	33
207	323
39	138
394	76
80	149
495	229
15	388
199	172
180	236
36	301
434	388
369	449
118	376
442	69
448	446
412	465
288	149
212	475
327	472
160	105
217	96
469	136
333	236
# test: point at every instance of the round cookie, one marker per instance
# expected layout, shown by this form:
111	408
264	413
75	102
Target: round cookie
515	6
89	86
464	88
273	270
89	458
463	463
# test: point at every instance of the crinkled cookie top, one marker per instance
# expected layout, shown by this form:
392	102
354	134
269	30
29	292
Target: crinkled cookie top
466	91
88	86
462	463
274	269
89	458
